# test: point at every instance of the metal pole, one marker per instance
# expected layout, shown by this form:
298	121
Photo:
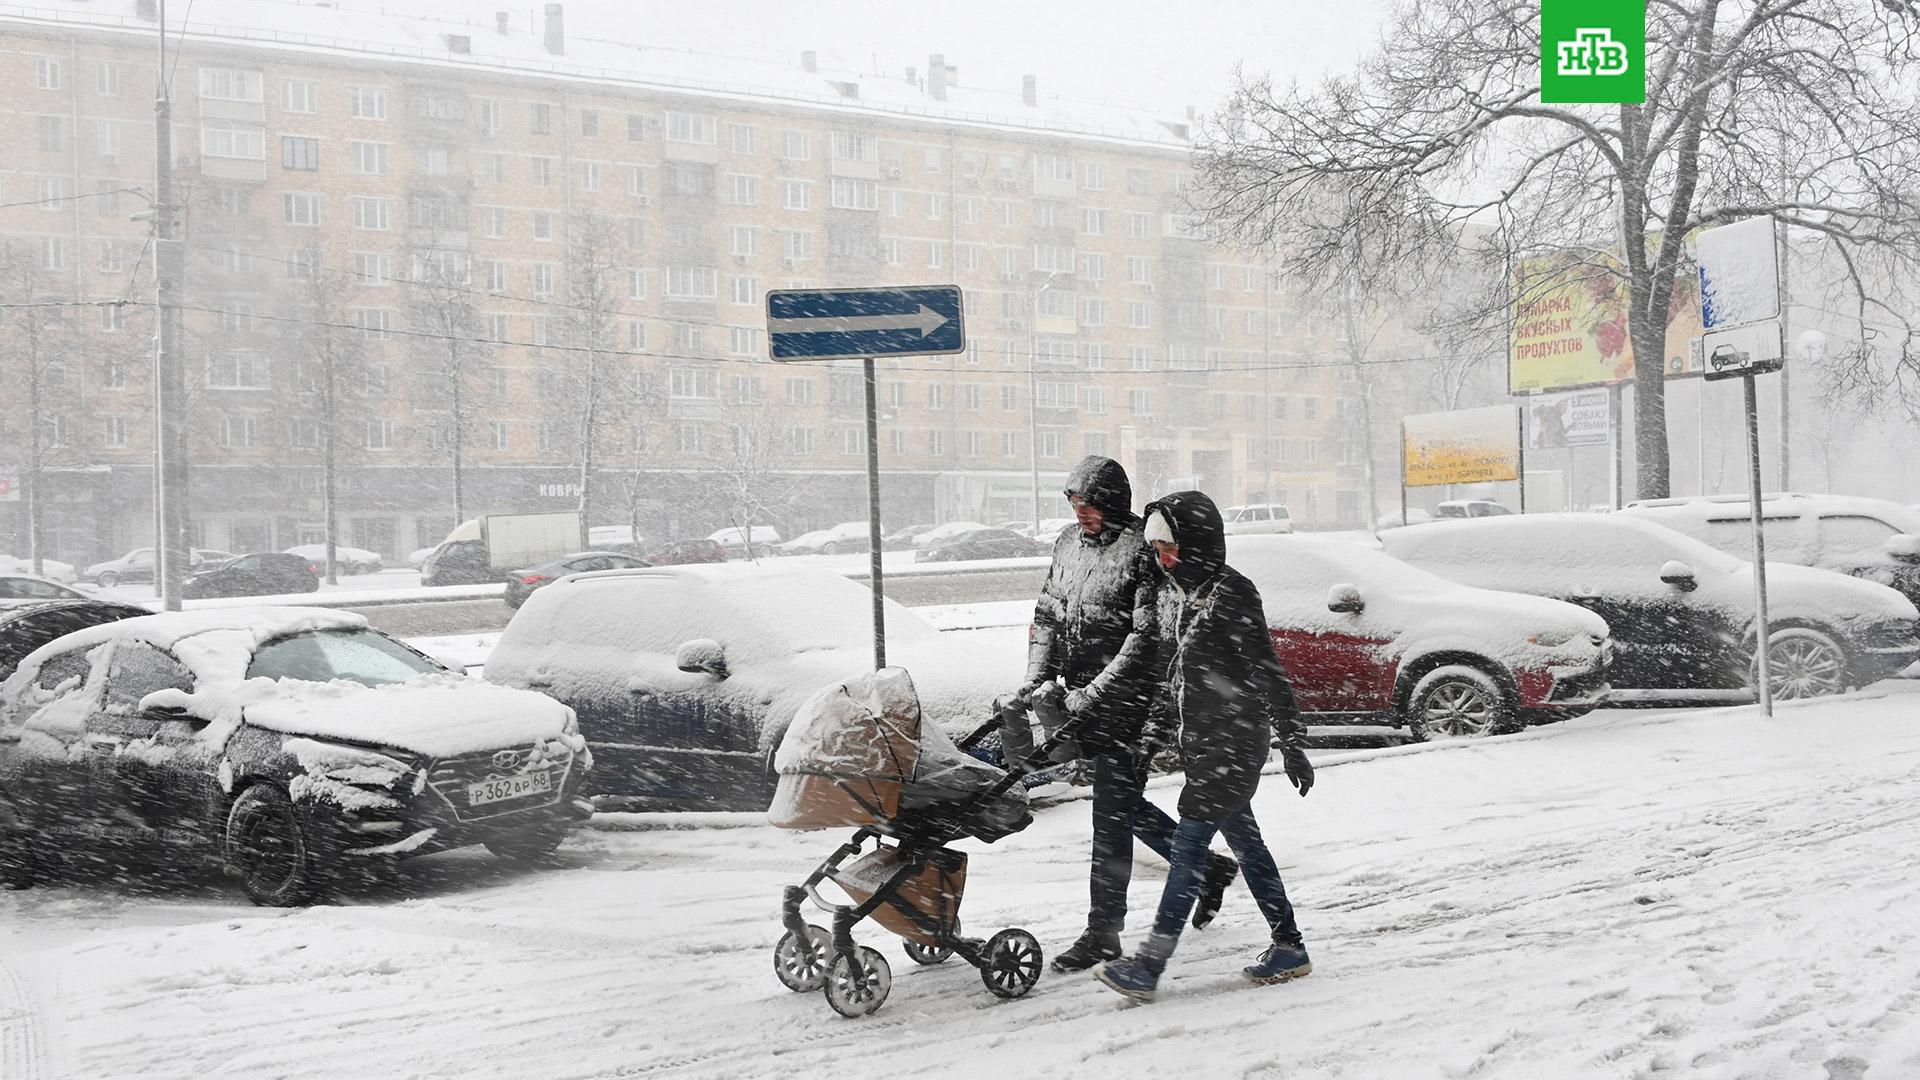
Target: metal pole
1520	414
873	522
1763	636
169	381
1786	295
1033	400
1617	467
1403	473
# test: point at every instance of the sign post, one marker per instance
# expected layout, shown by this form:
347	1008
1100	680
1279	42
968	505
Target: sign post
861	324
1740	309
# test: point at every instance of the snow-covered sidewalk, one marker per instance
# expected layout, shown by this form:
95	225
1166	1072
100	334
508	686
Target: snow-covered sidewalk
1705	894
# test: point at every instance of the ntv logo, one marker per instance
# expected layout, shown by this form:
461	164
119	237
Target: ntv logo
1592	52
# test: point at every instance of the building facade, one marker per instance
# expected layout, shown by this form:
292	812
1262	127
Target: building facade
505	261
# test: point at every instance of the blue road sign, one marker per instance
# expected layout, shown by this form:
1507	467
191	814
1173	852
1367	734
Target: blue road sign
843	324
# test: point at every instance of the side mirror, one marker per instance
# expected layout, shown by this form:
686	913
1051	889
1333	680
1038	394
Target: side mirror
1679	575
169	713
1344	598
1905	547
702	655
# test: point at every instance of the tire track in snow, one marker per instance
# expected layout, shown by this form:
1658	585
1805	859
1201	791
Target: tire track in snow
23	1039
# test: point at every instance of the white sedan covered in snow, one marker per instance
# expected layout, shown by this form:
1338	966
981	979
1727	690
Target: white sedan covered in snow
685	677
285	739
351	560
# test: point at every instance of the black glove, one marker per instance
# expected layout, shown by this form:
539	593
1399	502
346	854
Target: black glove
1299	769
1023	697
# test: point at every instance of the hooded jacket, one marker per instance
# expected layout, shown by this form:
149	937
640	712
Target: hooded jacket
1224	689
1096	604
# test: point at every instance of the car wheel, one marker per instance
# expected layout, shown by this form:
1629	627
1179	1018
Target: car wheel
1457	702
531	846
269	851
1802	663
108	580
830	549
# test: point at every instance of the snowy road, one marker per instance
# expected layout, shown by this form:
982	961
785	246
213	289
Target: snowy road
1706	894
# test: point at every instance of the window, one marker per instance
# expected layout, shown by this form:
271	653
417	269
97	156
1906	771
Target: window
794	146
494	220
852	146
590	176
107	197
1047	444
114	435
1053	258
373	268
685	127
112	318
367	102
53	253
379	435
53	133
692	439
106	140
936	397
636	127
539	118
369	158
224	139
496	276
301	207
743	190
799	194
1139	226
1009	398
637	183
543	225
936	207
1093	267
740	138
502	435
696	282
796	246
230	84
436	161
53	192
743	341
493	168
106	79
1139	270
1093	221
110	256
1093	312
374	214
237	371
690	339
636	284
302	263
799	391
589	123
373	322
937	443
492	117
936	255
746	290
543	280
299	152
47	73
239	431
1093	177
970	443
1010	444
1054	302
851	194
542	171
689	382
1046	215
1140	402
1096	400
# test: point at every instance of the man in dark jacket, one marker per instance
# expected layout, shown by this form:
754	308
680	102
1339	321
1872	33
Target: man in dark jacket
1091	625
1227	698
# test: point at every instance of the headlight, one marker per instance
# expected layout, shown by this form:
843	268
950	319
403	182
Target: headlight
1553	639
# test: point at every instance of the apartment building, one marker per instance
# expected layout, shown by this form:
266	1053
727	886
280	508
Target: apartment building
505	255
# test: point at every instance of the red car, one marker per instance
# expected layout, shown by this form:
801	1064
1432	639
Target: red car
681	552
1368	639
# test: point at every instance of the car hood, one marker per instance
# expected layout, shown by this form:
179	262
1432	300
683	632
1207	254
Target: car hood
434	715
1503	622
1806	592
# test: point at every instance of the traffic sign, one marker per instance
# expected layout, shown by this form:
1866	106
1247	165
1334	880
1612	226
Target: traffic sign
1739	274
847	324
1752	349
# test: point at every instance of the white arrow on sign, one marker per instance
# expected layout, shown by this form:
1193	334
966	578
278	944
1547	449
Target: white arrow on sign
926	320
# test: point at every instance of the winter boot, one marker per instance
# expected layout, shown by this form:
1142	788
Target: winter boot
1138	976
1093	947
1281	962
1221	870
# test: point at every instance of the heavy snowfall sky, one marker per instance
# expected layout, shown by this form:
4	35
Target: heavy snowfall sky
1130	52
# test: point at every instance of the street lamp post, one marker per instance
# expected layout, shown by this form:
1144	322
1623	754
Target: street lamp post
1033	396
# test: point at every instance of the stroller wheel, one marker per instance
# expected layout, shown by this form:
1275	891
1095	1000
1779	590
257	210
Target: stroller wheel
930	954
858	987
802	965
1010	963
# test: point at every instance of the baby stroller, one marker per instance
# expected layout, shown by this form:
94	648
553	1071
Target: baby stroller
857	754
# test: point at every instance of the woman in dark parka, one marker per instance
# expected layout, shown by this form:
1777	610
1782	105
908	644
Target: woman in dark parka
1227	698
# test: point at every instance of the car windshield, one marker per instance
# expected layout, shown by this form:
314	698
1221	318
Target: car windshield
364	656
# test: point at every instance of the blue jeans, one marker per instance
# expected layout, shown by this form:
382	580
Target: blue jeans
1120	813
1242	832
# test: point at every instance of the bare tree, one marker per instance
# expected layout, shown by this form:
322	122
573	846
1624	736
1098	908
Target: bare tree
1797	109
328	383
36	346
596	375
752	467
452	345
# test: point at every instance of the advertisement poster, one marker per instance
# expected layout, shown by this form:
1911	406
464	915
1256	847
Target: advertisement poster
1570	324
1467	446
1575	418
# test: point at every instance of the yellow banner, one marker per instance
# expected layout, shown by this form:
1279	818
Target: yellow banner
1467	446
1570	324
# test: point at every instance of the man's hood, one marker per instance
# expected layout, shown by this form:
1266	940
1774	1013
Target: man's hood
1102	482
1197	528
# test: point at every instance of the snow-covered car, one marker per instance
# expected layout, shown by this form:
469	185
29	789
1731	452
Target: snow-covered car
984	543
1368	639
138	565
286	741
753	541
685	677
350	560
1257	519
418	556
1682	613
902	539
1395	519
29	587
263	574
940	534
1866	538
25	625
848	536
807	543
1471	508
62	572
522	582
1049	530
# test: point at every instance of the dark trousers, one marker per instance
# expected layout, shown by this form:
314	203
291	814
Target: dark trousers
1120	813
1190	856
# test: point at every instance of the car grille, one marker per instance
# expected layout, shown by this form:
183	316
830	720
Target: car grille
450	777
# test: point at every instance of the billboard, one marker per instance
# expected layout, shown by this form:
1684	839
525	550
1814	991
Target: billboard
1466	446
1570	324
1575	418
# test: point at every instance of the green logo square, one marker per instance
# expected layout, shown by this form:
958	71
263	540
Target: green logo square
1593	51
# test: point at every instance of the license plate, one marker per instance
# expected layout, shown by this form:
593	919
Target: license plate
511	787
